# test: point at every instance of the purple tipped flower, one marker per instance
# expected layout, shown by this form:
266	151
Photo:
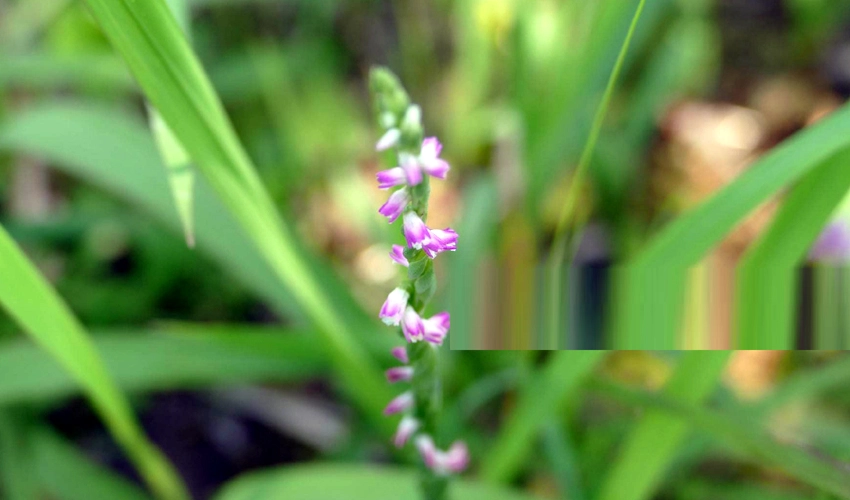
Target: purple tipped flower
388	140
393	308
415	231
429	158
400	353
406	428
399	374
428	450
390	178
441	240
395	205
435	328
411	325
397	254
402	402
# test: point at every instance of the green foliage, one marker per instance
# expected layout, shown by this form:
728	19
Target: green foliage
34	305
338	482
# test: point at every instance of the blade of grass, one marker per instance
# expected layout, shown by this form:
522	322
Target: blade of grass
179	169
768	275
649	289
174	358
652	444
64	473
543	396
747	438
560	453
556	257
173	80
36	307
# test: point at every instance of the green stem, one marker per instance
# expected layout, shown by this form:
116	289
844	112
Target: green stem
559	246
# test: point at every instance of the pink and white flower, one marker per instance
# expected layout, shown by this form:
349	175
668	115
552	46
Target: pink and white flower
395	205
411	325
454	460
399	374
401	403
412	170
406	428
429	158
435	328
397	254
441	240
416	232
394	307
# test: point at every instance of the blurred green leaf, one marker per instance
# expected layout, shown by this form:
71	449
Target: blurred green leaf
36	307
349	482
542	398
84	139
650	287
766	292
743	436
174	358
151	42
653	442
64	473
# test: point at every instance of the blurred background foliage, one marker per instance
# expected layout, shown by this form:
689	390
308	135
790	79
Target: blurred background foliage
222	365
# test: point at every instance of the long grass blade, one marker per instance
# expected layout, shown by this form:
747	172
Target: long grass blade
767	277
148	37
183	357
36	307
650	287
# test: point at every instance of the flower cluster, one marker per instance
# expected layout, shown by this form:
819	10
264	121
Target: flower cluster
418	161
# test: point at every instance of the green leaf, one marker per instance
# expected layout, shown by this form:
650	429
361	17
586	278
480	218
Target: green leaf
747	438
349	482
654	441
181	175
36	307
542	398
151	42
650	287
767	277
173	358
64	473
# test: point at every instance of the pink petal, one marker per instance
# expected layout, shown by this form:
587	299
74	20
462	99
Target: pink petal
400	353
402	402
399	374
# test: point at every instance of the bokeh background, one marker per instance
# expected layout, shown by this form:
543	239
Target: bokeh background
510	88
